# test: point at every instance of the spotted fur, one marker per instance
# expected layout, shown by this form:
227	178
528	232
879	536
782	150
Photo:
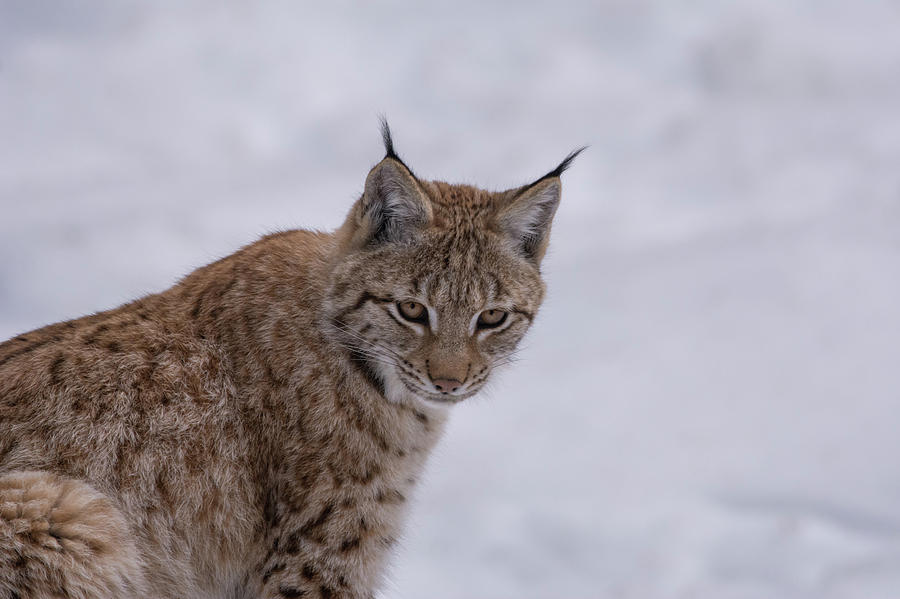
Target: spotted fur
257	429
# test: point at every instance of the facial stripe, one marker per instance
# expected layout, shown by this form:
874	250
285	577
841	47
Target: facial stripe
364	298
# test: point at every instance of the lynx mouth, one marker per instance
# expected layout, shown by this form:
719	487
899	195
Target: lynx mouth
438	398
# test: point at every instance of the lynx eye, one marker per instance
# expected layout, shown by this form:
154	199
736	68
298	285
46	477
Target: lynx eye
490	319
412	311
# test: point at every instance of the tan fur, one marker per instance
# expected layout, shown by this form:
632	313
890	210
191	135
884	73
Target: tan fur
65	538
256	430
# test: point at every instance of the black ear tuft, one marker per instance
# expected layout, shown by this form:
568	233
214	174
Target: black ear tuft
566	163
389	145
386	138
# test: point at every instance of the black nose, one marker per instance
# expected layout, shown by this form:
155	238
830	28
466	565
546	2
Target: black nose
446	385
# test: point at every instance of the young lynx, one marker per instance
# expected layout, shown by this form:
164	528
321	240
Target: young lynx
255	430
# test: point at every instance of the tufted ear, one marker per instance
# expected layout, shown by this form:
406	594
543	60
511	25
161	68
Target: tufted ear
527	218
528	215
394	206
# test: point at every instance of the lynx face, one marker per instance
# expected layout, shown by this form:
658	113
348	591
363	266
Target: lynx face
438	283
440	313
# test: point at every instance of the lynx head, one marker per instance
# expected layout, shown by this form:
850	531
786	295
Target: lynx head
435	284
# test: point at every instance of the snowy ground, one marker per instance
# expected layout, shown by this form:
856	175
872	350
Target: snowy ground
709	405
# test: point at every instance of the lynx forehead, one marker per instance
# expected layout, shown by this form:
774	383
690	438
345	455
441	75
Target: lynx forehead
256	430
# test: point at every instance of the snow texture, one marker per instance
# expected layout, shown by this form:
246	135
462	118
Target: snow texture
708	405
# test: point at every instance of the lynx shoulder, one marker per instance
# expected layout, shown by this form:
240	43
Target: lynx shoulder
257	429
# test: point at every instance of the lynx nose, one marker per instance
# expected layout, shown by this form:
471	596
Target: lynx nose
446	385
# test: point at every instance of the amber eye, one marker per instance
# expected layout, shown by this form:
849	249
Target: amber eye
413	311
491	318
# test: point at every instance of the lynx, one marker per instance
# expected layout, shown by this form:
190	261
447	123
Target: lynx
257	429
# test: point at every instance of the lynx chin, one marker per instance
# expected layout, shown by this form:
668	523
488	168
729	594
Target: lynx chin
255	431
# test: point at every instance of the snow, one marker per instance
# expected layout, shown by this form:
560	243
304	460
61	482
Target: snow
708	404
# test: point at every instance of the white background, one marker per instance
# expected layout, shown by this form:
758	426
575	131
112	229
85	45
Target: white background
709	403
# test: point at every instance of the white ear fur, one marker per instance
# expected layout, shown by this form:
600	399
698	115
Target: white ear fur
393	206
527	218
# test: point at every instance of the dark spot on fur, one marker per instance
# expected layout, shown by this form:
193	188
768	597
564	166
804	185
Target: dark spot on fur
308	572
162	489
212	295
350	544
114	347
326	592
292	544
363	424
79	403
28	349
55	368
291	592
145	377
270	508
272	570
91	339
390	496
314	525
119	465
367	474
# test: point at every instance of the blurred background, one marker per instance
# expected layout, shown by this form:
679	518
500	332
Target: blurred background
708	405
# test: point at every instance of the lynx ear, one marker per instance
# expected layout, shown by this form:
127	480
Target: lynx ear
528	215
527	219
393	207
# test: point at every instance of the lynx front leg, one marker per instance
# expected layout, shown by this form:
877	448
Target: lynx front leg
321	556
287	575
61	538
